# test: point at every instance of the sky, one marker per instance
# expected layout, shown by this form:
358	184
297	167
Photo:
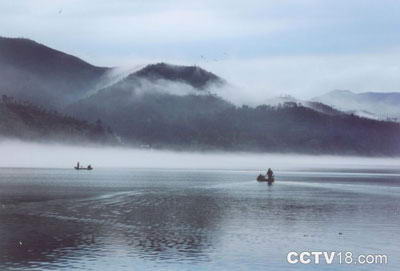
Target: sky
265	47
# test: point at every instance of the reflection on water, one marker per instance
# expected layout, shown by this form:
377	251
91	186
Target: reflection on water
193	220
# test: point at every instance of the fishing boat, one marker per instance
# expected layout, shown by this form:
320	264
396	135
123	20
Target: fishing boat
269	177
79	167
264	178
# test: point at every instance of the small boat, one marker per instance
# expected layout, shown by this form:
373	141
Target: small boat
263	178
79	167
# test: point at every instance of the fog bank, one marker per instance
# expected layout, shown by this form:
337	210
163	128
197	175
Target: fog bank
21	154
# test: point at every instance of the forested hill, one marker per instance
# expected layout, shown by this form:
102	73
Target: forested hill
191	75
298	129
26	121
207	122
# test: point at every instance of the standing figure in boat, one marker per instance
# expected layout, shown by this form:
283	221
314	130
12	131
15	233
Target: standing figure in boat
270	175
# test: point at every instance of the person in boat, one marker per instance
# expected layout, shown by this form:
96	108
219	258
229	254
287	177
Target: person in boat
270	174
89	167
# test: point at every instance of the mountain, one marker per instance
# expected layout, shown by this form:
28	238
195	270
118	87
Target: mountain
375	105
158	113
26	121
191	75
144	114
157	99
206	122
34	72
287	100
168	106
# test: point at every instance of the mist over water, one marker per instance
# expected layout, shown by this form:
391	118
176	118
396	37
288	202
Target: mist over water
23	154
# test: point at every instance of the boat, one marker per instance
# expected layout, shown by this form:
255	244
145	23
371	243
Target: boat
264	178
79	167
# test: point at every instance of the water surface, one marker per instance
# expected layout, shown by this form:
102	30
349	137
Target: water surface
149	219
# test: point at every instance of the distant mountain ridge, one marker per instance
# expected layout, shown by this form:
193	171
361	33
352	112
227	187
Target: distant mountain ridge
378	105
287	100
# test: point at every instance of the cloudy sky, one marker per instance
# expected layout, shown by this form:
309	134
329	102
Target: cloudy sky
267	47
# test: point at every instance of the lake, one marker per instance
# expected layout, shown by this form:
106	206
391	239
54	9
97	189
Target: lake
161	219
